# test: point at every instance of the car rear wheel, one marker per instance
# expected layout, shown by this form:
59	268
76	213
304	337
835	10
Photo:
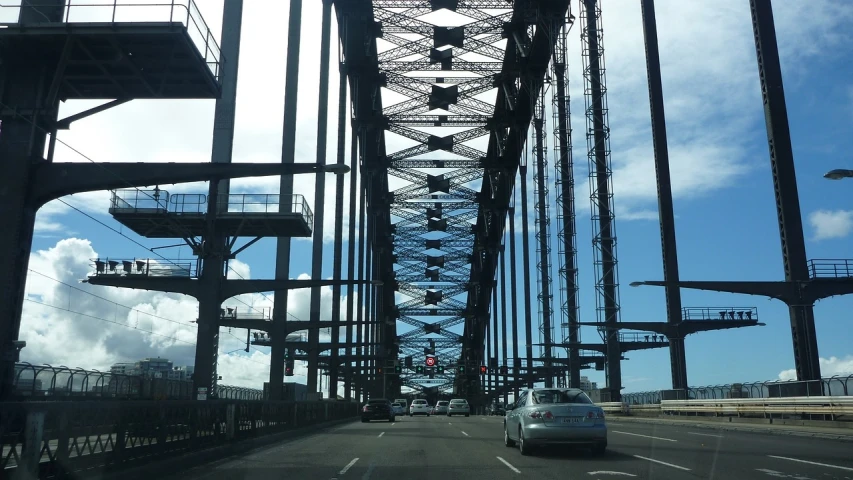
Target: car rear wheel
508	441
599	449
466	414
523	446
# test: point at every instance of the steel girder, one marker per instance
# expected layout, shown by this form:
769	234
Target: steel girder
524	69
435	212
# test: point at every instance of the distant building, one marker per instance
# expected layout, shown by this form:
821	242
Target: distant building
588	386
153	368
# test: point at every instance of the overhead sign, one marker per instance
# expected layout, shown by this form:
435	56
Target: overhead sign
430	361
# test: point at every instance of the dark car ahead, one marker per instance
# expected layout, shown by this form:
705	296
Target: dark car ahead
377	409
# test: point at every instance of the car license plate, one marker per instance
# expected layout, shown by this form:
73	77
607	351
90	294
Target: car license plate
570	420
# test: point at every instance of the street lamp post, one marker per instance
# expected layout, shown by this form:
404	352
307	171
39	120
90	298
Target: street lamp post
838	174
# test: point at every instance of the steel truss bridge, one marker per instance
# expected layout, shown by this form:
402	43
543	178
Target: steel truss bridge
454	108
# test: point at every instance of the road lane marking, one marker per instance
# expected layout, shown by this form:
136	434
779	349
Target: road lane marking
609	472
395	423
349	465
463	433
380	435
663	463
705	434
645	436
449	423
509	465
812	463
774	473
369	470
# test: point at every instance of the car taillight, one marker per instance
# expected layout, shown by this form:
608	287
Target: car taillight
598	414
364	409
546	415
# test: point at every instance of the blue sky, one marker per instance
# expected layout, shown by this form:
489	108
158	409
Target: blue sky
726	220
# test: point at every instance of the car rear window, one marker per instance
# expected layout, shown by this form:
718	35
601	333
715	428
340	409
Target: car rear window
441	404
419	402
458	402
560	396
373	402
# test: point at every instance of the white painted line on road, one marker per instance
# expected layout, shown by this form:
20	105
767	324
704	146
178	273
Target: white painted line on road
395	423
509	465
609	472
705	434
450	423
380	435
349	465
463	433
663	463
645	436
812	463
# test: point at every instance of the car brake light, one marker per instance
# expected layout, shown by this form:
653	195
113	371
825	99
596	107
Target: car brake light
546	415
364	409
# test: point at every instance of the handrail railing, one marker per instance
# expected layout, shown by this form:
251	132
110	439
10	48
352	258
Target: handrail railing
161	201
48	382
119	11
838	385
834	406
719	313
831	268
145	267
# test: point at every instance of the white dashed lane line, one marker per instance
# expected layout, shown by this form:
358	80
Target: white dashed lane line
349	465
508	465
704	434
645	436
380	435
662	463
827	465
463	433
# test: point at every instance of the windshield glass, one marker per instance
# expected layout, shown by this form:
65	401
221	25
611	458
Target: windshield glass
378	401
442	404
419	402
560	396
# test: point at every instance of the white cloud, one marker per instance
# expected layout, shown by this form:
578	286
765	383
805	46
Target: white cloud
80	325
828	224
828	367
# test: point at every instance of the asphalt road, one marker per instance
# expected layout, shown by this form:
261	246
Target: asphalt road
441	448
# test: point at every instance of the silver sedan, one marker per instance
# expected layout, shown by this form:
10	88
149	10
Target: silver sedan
554	416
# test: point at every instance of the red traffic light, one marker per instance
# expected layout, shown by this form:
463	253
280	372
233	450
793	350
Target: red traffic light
430	361
482	369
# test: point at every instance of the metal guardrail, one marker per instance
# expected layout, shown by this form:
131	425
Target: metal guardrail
719	313
145	267
831	406
49	383
838	385
831	268
185	12
161	201
63	439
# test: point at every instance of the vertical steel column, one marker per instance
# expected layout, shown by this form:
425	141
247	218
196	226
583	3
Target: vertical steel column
677	354
215	254
338	253
565	182
503	378
319	200
24	86
288	150
525	252
352	374
361	336
516	362
806	358
543	233
495	327
604	240
368	297
488	349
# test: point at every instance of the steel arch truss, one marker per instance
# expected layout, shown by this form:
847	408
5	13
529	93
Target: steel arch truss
423	85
